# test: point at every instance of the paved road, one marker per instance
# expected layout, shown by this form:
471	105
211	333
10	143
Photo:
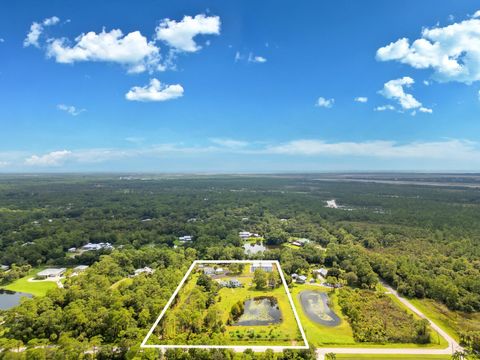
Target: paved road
452	344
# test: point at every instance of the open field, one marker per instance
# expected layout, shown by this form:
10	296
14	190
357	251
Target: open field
450	321
35	288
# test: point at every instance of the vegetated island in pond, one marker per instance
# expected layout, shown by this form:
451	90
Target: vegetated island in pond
230	304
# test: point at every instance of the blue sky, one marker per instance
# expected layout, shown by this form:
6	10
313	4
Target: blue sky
239	86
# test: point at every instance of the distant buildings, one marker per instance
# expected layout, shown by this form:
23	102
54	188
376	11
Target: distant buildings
332	204
265	266
185	238
96	247
233	283
247	234
145	270
301	279
80	268
50	273
300	242
212	271
72	249
322	272
4	267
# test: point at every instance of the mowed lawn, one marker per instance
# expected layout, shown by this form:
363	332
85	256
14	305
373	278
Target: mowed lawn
391	356
342	335
34	288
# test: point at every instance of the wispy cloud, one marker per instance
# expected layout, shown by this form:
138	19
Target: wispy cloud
384	108
229	143
361	99
36	30
70	109
323	102
455	150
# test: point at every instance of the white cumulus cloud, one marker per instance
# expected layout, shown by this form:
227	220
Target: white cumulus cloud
323	102
36	29
180	34
361	99
72	110
395	90
132	50
155	91
54	158
453	51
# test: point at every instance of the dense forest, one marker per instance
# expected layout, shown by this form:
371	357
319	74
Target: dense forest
423	240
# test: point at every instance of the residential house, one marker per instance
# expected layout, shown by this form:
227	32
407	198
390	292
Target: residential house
145	270
301	279
51	273
265	266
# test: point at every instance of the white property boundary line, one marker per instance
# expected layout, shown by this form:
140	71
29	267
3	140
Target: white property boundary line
238	348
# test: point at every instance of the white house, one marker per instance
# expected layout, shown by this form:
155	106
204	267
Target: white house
245	234
185	238
301	279
72	249
219	271
265	266
322	272
50	273
4	267
80	268
208	270
145	270
96	247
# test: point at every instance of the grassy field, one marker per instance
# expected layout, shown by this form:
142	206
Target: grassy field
342	335
34	288
391	356
450	321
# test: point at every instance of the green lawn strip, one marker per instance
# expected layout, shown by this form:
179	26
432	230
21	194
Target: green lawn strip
291	246
342	335
34	288
392	356
125	281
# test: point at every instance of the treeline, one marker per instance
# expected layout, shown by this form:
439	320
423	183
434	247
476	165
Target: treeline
89	312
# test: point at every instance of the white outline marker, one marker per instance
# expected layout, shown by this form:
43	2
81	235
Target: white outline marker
238	348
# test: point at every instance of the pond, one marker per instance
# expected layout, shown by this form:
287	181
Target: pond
261	310
9	299
315	306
